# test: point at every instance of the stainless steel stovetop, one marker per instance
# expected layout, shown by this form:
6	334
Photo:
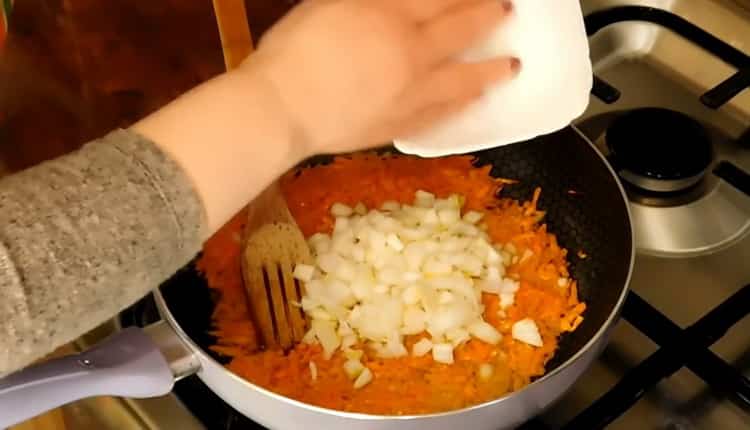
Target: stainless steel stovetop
655	67
691	257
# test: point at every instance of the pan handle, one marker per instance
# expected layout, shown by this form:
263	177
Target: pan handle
132	363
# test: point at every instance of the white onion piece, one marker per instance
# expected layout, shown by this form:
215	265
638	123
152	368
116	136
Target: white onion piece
507	300
348	341
304	272
493	274
526	331
424	199
442	353
328	262
309	337
353	368
421	348
473	217
485	332
344	329
353	354
363	379
360	209
414	321
313	370
509	286
394	242
458	336
325	332
485	371
390	206
340	210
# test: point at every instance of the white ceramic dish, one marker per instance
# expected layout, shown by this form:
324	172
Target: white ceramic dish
551	89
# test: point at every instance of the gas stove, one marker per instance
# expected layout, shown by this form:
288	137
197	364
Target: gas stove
671	111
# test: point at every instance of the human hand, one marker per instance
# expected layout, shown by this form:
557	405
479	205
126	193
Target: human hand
351	74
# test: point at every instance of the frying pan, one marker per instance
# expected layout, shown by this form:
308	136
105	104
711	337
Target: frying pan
586	208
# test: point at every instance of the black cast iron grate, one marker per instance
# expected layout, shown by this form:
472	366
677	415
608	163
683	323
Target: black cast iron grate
678	348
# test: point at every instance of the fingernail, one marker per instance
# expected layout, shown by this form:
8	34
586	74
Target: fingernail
515	65
507	5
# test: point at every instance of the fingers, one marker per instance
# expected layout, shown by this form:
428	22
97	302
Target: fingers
457	81
458	29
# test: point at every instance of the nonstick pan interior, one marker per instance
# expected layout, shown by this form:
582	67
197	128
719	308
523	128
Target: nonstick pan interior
585	209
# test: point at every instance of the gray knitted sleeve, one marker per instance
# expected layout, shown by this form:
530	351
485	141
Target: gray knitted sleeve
86	235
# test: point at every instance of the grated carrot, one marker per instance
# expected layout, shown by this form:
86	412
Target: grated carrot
406	385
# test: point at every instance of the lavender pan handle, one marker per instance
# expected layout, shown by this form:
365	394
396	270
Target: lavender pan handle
128	364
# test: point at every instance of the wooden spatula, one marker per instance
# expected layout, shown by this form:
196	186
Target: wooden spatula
272	242
273	245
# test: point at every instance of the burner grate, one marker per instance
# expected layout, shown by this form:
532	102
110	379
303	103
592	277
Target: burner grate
679	348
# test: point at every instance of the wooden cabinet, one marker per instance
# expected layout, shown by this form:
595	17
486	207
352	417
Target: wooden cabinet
71	70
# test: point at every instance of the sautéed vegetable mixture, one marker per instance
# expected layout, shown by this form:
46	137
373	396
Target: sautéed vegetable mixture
448	348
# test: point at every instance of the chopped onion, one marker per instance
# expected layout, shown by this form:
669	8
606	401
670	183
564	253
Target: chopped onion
394	242
457	336
446	297
507	300
485	332
424	199
390	206
442	353
509	286
493	274
493	257
348	341
414	321
449	216
325	332
421	348
360	209
401	271
341	225
313	370
363	379
353	368
309	337
526	331
353	354
304	272
328	262
485	371
344	329
430	218
473	217
340	210
320	243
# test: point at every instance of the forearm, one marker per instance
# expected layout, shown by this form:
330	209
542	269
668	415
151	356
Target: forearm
230	135
84	236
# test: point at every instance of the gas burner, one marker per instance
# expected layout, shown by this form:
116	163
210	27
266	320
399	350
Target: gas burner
659	150
665	160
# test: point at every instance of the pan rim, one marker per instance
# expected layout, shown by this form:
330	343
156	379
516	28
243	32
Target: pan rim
167	315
